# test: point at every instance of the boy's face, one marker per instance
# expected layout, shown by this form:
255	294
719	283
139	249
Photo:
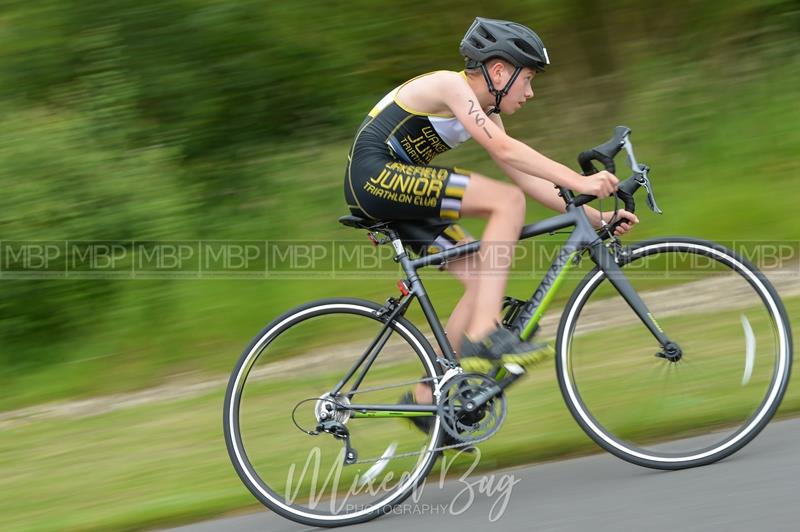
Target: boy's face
520	92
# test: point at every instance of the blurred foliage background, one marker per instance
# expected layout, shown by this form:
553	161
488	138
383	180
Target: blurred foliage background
231	120
202	119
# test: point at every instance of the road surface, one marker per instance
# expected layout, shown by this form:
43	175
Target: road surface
755	489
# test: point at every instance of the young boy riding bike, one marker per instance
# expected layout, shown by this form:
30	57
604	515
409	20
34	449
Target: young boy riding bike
389	177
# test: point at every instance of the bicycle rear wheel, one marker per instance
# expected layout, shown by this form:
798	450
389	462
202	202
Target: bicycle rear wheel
736	347
279	391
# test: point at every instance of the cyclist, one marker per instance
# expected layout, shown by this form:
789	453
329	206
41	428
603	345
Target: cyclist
389	177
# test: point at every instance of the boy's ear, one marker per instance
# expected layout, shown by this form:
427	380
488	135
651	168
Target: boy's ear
496	66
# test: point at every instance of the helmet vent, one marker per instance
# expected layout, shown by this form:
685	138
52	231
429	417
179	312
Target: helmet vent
524	46
486	35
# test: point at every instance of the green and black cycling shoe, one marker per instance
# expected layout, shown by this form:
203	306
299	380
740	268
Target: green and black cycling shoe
423	423
502	347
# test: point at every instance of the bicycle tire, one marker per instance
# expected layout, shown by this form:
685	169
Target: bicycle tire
238	449
612	439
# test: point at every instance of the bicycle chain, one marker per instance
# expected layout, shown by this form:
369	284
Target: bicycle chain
411	453
416	453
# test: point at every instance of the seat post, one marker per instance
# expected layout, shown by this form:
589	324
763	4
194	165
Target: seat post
391	233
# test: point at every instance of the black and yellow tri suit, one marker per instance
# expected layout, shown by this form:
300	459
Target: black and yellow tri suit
389	177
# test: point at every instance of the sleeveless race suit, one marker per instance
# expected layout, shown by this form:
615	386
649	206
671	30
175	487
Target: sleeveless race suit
388	175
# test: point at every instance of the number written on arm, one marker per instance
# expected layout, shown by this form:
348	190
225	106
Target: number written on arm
479	119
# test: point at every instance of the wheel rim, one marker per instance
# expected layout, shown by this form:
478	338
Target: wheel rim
293	491
725	427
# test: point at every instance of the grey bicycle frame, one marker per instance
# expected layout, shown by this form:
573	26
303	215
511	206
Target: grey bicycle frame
583	237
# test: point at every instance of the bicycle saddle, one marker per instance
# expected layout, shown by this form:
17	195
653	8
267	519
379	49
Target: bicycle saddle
362	223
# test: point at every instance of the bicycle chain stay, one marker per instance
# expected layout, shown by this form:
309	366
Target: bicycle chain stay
446	377
449	374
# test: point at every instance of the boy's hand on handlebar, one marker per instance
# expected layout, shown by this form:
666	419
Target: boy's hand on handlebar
602	184
629	218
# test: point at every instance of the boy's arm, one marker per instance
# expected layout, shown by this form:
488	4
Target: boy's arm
543	191
539	189
461	100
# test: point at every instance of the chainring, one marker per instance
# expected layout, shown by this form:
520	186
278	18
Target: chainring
470	426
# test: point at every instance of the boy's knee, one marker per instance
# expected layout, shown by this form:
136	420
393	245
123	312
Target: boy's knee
514	202
518	197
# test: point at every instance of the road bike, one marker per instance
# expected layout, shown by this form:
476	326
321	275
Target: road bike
670	353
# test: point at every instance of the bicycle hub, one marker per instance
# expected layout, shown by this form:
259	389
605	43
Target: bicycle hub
671	352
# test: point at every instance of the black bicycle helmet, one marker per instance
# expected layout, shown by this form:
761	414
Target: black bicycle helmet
519	45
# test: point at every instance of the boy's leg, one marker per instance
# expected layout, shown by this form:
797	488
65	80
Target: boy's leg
463	269
484	274
503	206
487	343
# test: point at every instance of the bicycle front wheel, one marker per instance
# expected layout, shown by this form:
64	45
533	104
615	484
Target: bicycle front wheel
282	389
664	413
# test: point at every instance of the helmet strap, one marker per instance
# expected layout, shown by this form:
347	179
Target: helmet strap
498	94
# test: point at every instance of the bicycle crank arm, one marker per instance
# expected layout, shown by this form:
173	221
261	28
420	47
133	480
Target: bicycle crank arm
512	373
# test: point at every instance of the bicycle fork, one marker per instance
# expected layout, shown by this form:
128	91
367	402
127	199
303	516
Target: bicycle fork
606	260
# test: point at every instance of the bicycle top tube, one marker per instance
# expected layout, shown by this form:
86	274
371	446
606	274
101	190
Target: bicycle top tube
573	217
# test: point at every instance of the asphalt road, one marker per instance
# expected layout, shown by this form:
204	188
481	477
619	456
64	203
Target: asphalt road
756	489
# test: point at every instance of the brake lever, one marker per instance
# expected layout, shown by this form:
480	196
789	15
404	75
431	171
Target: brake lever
642	180
651	199
640	176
